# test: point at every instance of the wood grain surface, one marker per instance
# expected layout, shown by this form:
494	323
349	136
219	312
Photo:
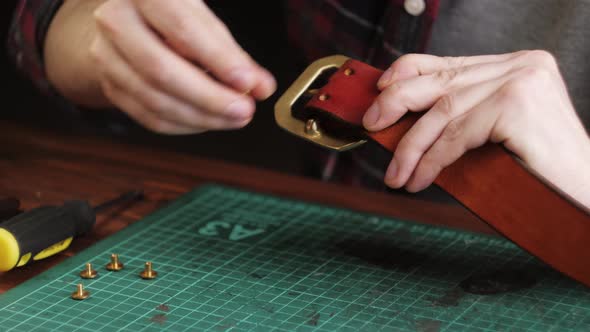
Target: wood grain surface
44	167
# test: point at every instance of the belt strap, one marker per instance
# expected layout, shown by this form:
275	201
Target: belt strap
487	180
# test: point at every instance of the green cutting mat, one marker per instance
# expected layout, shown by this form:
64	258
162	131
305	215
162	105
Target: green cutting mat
231	260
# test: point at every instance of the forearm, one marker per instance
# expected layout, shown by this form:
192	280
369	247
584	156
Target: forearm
567	168
68	65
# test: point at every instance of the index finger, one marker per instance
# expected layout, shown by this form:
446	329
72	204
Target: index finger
196	33
412	65
164	69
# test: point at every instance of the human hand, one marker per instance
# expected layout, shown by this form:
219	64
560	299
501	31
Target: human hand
519	100
174	67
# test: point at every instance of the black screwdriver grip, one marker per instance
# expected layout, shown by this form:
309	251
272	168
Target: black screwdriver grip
40	228
9	207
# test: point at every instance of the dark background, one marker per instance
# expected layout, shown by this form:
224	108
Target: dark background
260	29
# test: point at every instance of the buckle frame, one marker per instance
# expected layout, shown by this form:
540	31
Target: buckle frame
310	130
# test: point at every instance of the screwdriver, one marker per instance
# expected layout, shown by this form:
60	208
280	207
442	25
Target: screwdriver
47	230
9	207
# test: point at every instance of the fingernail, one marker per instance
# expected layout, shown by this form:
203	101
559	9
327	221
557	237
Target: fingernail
242	79
241	123
271	85
240	109
385	78
391	172
371	116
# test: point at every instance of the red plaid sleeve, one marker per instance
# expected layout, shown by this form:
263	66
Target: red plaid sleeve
27	35
373	31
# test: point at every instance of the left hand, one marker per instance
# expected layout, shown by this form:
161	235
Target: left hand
518	99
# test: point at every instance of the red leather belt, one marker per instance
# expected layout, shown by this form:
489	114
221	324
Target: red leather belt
487	180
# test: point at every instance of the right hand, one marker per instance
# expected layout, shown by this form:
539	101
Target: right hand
174	67
516	99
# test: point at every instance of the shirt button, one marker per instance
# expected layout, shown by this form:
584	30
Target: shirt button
414	7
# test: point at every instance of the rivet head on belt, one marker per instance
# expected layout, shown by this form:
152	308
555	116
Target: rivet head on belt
309	129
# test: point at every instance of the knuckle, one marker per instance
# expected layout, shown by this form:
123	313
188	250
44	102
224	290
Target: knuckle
453	130
536	75
528	79
447	77
105	17
455	61
516	92
156	71
512	90
395	101
183	28
395	90
542	58
446	106
389	104
395	93
406	60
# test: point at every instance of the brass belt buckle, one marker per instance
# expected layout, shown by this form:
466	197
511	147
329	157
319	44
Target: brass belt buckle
310	130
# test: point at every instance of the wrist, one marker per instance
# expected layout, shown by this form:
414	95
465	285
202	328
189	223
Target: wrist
68	65
574	179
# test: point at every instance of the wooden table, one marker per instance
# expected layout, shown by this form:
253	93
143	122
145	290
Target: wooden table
45	167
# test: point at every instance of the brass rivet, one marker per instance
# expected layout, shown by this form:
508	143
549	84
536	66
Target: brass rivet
115	264
323	97
148	272
88	272
312	128
348	71
80	293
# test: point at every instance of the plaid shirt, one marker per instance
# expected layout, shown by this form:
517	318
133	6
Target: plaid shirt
27	35
374	31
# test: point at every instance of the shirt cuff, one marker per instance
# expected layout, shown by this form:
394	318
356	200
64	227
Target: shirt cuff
26	39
